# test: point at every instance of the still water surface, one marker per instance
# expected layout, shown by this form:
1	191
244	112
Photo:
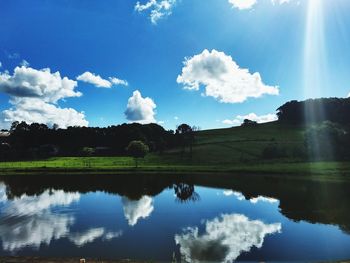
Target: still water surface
145	218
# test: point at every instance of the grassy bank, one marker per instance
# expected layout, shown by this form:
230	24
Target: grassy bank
233	150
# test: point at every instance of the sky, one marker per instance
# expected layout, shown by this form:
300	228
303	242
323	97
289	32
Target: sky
209	63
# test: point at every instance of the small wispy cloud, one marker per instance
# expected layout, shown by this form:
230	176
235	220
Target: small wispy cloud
157	9
100	82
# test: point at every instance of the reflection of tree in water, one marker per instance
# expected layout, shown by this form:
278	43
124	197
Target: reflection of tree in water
185	193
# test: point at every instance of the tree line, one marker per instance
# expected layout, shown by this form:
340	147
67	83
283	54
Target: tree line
39	141
335	110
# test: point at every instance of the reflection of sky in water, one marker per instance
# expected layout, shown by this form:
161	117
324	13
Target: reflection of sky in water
222	225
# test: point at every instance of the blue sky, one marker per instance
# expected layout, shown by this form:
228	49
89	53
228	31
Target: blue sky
114	38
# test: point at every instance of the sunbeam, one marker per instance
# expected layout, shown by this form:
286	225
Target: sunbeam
315	57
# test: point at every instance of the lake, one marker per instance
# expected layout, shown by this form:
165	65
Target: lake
195	218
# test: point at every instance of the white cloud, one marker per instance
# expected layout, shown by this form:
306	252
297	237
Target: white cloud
157	9
242	4
93	79
117	81
32	83
134	210
34	95
222	78
280	1
263	199
249	4
99	82
140	110
0	64
33	110
253	117
224	239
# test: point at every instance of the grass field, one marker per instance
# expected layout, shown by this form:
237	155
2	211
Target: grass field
223	150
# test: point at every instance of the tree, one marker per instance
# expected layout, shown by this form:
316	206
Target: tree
137	149
249	123
186	136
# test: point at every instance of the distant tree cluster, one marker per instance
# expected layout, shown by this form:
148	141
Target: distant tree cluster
38	140
336	110
31	141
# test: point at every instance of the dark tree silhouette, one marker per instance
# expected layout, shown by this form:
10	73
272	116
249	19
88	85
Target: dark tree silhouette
26	140
316	111
185	135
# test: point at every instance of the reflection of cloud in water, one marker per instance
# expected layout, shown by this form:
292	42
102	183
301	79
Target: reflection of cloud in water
20	232
134	210
3	196
254	200
224	239
239	195
263	199
28	220
27	205
80	239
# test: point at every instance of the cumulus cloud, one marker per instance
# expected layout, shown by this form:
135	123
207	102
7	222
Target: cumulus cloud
134	210
34	95
249	4
27	82
251	116
224	238
222	78
33	110
156	9
140	110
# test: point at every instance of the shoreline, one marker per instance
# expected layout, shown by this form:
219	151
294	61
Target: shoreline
288	175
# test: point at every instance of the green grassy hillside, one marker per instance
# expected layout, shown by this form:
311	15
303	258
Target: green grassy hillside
241	144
